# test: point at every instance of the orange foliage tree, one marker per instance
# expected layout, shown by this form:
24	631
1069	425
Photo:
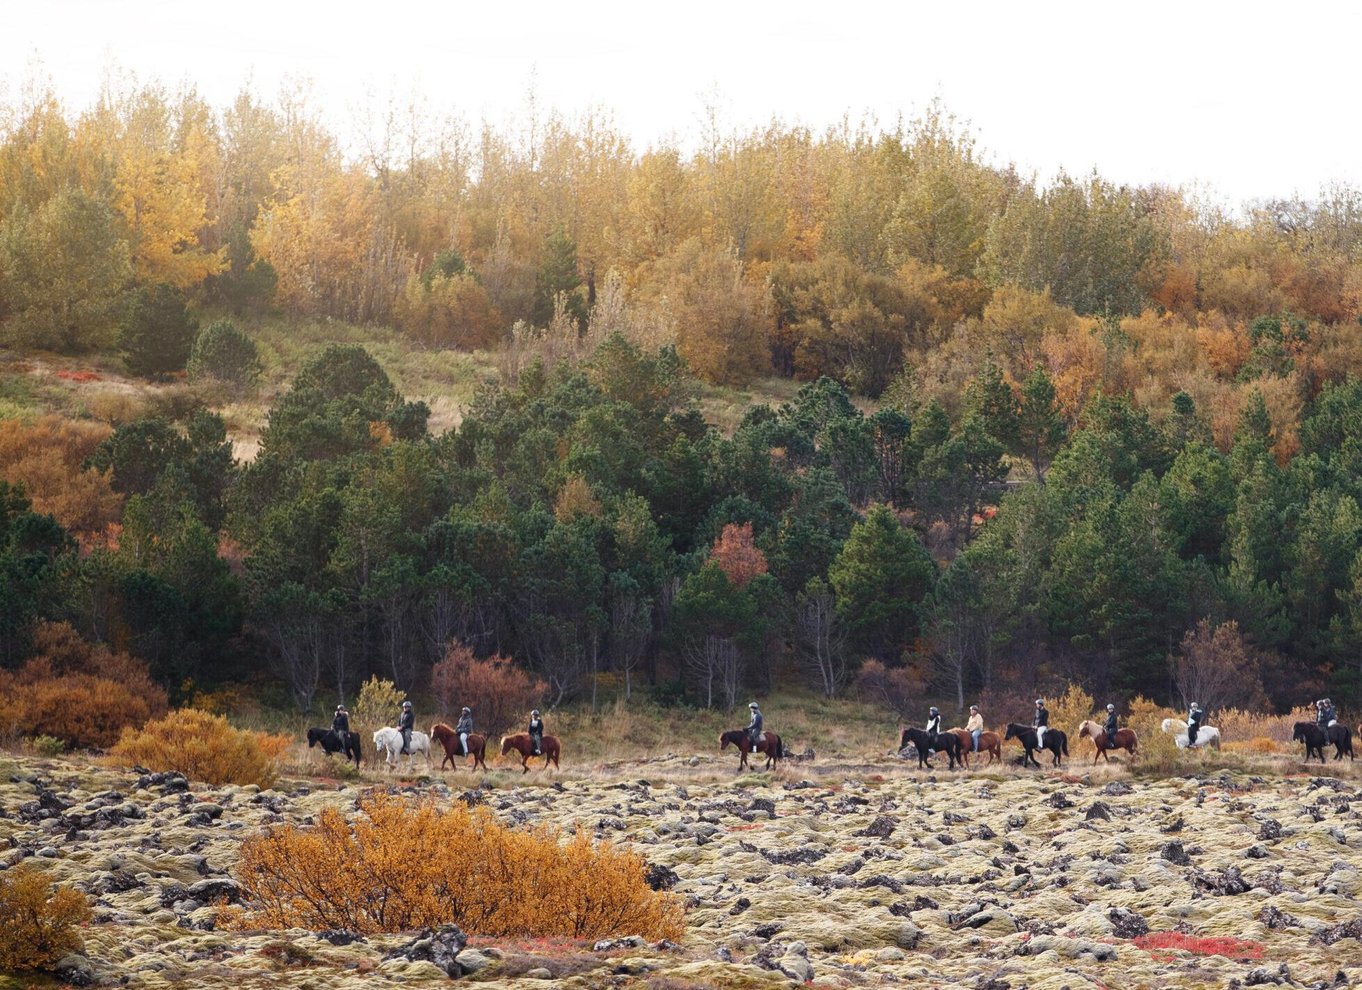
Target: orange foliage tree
39	923
398	866
737	555
204	747
495	689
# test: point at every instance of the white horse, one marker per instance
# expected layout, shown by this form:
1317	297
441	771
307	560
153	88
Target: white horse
388	742
1207	735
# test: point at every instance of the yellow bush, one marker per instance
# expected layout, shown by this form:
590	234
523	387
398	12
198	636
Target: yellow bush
203	747
377	705
1236	725
1069	709
1258	744
400	866
38	924
1157	751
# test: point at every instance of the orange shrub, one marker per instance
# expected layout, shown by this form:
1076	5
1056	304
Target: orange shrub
45	456
496	689
203	747
38	924
1236	725
79	692
400	866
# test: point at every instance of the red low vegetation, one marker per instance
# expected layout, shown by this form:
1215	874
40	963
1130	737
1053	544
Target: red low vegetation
1231	948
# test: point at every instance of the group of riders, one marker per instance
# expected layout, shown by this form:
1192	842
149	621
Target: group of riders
1041	721
406	721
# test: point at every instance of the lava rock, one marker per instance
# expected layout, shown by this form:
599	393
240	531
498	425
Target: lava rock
440	946
1175	854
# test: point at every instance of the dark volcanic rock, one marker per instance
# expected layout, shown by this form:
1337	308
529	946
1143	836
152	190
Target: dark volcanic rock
1175	854
440	946
1127	923
660	877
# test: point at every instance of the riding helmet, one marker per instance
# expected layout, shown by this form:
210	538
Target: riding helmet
535	713
933	711
1111	708
752	704
1039	702
406	704
467	710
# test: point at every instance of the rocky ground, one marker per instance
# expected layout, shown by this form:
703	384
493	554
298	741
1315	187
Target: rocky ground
846	876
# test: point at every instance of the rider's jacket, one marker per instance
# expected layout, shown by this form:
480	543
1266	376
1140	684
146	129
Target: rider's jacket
340	725
465	724
1042	717
407	720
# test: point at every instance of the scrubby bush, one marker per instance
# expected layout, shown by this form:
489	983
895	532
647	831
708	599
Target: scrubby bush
378	705
1158	752
1070	708
47	457
46	746
399	866
157	332
38	922
203	747
81	693
448	310
496	689
224	353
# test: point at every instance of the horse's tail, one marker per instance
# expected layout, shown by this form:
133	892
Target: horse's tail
1215	740
1064	743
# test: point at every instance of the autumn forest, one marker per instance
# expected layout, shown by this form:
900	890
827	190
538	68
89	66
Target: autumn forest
996	431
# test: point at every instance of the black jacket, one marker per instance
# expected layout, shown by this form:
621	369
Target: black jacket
1042	718
1111	725
407	720
340	725
536	727
754	727
1195	717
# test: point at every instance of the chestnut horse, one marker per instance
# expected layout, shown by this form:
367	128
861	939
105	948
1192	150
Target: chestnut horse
524	745
449	739
989	743
769	746
1125	739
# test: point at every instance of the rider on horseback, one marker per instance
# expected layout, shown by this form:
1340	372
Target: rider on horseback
340	724
405	723
1041	722
975	725
536	731
754	726
933	720
464	728
1194	717
1327	714
1111	726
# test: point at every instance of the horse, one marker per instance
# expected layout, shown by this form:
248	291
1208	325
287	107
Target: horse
388	741
449	739
1315	739
989	742
1055	741
927	743
331	742
1125	739
769	745
1206	735
524	745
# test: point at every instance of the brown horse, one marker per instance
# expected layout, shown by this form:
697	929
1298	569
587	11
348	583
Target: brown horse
449	739
1125	739
988	743
522	744
769	746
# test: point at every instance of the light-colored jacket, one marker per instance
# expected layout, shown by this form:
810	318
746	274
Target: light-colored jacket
976	721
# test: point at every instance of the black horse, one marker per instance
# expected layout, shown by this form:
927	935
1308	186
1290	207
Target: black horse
1315	739
330	742
928	742
1055	741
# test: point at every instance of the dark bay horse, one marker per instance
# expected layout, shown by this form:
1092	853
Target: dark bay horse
331	742
449	739
769	746
1315	739
989	742
524	745
1055	741
1125	739
931	742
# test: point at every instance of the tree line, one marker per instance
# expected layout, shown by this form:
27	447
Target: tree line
851	253
585	521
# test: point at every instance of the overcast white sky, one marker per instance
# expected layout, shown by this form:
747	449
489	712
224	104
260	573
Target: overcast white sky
1247	100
